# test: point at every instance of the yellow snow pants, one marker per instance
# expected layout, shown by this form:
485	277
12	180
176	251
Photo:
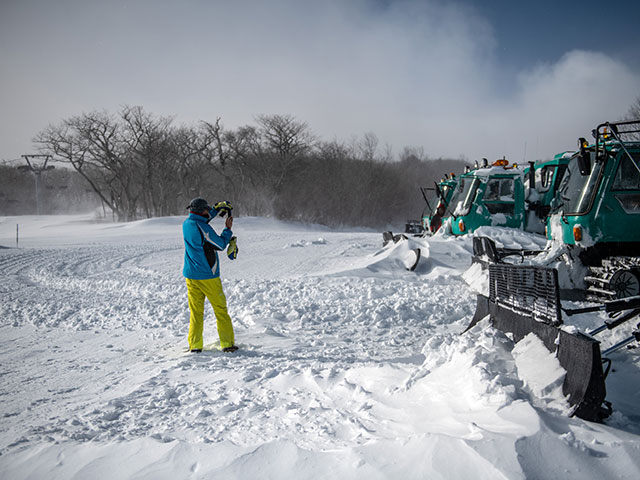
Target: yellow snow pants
211	288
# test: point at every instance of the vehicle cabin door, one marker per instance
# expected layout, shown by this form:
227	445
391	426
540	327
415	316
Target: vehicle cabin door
619	216
504	202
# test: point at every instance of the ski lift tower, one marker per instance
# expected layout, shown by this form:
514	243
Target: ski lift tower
36	164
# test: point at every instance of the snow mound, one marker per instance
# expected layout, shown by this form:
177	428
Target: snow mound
392	260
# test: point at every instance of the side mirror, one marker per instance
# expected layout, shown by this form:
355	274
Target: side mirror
584	158
532	175
584	163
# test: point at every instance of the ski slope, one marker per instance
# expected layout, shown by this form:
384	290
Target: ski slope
350	366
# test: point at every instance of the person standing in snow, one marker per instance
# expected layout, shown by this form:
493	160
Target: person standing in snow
202	270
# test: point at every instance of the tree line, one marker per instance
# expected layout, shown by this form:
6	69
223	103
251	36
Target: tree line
140	165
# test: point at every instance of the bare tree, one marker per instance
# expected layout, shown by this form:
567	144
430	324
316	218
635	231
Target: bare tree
151	153
126	160
634	114
88	144
285	141
368	147
416	153
634	110
194	149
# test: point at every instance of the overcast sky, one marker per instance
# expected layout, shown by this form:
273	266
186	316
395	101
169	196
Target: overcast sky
468	79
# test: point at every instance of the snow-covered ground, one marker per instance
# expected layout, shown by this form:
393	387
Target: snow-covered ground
350	366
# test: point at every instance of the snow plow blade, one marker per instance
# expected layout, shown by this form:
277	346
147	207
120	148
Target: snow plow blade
524	300
482	310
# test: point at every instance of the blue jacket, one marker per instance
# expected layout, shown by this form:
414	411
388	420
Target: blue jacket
201	246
